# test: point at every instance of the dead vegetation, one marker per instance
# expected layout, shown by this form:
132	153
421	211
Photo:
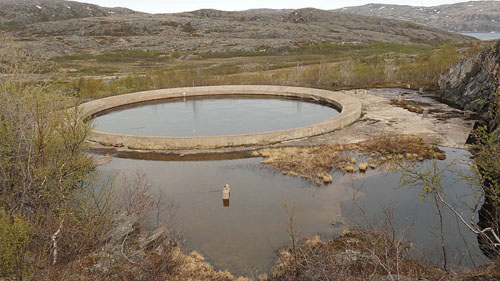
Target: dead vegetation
356	255
315	163
408	105
133	253
409	146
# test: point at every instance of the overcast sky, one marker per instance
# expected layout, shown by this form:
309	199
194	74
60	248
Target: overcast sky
171	6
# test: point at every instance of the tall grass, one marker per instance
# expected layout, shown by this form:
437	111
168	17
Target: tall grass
354	69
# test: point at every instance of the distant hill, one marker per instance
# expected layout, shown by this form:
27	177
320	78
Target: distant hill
258	11
21	12
43	27
474	16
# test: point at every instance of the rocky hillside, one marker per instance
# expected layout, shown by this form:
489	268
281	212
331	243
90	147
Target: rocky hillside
471	83
213	30
21	12
474	16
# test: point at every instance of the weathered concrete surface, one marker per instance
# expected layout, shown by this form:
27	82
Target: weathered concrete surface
444	126
349	105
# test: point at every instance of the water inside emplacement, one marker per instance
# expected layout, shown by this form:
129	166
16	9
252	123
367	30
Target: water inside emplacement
212	117
244	236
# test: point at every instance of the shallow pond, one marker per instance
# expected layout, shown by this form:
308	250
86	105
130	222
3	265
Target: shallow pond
243	236
212	117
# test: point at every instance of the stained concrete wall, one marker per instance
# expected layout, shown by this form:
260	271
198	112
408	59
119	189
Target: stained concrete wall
349	106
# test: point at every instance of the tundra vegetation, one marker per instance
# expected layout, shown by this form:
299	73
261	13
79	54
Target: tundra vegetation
325	65
58	222
314	163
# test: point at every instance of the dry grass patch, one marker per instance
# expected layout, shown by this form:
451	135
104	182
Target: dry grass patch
408	105
315	163
310	163
409	146
357	255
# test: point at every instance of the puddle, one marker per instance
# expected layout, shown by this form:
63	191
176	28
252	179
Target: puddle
243	236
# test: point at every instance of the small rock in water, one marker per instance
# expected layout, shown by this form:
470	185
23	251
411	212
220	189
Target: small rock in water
363	167
349	169
441	156
327	178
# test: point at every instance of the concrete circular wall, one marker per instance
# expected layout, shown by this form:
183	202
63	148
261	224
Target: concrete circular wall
349	106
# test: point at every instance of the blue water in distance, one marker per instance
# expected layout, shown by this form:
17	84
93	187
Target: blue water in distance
483	35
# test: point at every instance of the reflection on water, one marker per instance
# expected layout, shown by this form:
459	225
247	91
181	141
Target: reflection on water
225	195
213	117
240	238
418	218
243	237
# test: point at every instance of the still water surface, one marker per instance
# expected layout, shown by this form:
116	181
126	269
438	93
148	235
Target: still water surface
482	35
243	236
212	117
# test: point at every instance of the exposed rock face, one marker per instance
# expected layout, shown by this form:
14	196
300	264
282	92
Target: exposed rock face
471	80
200	31
470	83
20	12
138	254
473	16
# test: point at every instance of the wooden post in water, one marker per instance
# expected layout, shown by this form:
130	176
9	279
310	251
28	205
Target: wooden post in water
226	192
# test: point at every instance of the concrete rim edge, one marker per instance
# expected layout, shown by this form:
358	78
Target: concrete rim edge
349	105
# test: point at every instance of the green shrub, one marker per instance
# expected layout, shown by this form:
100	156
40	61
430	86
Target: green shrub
15	236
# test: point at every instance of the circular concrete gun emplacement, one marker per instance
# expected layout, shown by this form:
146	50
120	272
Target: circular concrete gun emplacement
348	106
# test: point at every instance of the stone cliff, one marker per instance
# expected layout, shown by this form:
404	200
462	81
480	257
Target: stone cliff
472	84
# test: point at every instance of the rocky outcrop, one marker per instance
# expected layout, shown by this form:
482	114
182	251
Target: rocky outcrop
201	31
130	252
21	12
474	16
470	84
